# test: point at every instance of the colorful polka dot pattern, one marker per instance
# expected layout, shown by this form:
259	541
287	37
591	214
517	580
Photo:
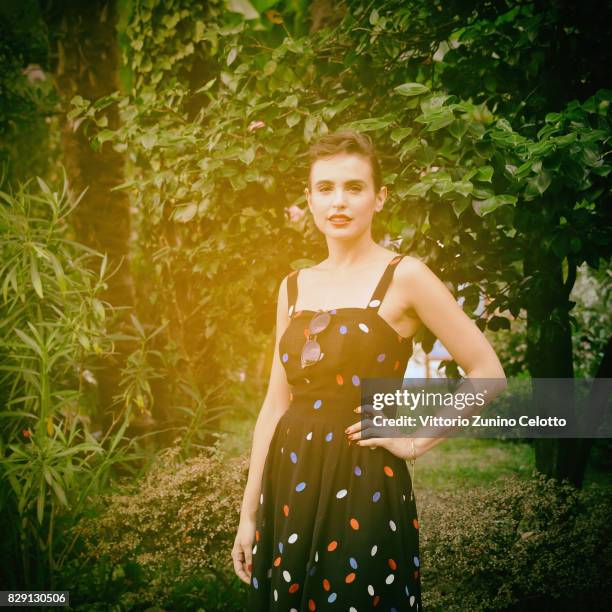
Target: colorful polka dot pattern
336	526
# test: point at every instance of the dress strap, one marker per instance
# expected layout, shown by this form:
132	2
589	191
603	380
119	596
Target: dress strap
292	292
383	283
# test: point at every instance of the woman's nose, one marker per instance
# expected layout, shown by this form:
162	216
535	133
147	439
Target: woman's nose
338	199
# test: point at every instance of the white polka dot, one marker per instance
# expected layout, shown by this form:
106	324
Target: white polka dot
370	590
364	328
316	556
412	600
261	498
392	525
275	595
390	578
374	303
291	309
269	573
374	549
292	538
287	576
341	493
352	609
255	549
309	435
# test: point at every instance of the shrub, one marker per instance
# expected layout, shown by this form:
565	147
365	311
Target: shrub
526	545
164	541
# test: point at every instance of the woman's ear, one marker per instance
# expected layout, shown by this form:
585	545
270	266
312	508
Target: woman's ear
381	196
307	194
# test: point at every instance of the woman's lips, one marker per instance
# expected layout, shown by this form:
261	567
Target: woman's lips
339	221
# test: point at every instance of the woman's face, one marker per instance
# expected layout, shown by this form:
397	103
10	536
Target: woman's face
343	199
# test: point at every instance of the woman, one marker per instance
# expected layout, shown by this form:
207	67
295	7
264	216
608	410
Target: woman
325	523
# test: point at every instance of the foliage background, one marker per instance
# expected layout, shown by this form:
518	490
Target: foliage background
142	317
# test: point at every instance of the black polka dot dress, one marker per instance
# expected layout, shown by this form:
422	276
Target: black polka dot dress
336	525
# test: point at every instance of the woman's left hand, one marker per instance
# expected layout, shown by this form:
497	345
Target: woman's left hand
400	447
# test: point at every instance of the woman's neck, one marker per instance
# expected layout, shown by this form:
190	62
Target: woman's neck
344	255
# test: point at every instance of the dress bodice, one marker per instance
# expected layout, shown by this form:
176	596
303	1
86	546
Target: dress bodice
358	343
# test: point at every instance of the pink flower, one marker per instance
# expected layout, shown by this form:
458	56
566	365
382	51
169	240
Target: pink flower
33	72
295	213
255	125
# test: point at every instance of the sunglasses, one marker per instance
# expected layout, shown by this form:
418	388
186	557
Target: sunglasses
311	352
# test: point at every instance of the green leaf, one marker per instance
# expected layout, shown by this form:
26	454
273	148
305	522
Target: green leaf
484	207
35	276
411	89
270	67
293	119
183	214
419	189
398	134
231	56
244	7
484	173
366	125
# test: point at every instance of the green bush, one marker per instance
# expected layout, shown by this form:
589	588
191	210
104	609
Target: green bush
526	545
164	541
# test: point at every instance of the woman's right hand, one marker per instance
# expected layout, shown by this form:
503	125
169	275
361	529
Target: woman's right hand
242	552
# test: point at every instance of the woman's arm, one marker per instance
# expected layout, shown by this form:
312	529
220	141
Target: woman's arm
274	405
436	308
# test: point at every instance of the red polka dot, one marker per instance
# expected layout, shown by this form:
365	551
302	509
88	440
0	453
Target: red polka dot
277	561
306	332
375	600
332	545
339	379
354	523
294	587
257	536
286	510
326	584
415	523
388	471
392	564
416	574
312	605
350	577
396	365
290	396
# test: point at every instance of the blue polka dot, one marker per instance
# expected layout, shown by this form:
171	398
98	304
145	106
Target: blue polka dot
280	547
416	561
329	436
393	610
285	357
353	562
357	470
255	583
317	404
381	357
293	458
332	311
332	597
343	329
376	496
301	486
312	570
407	591
355	380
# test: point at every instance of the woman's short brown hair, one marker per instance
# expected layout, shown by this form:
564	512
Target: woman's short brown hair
347	141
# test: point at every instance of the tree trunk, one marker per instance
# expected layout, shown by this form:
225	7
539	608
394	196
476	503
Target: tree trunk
87	64
549	355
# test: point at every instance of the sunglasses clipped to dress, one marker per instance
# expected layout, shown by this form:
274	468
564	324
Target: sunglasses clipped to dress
311	351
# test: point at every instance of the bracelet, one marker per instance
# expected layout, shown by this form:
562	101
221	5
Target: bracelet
413	463
414	455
